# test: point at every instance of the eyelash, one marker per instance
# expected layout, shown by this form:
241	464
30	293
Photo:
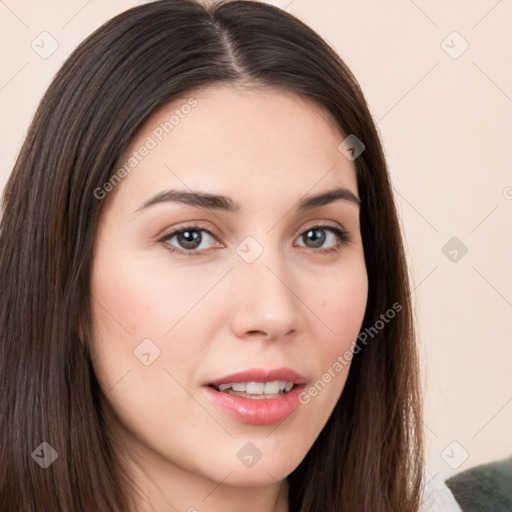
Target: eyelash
343	238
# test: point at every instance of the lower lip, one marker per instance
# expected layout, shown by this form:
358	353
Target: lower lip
259	411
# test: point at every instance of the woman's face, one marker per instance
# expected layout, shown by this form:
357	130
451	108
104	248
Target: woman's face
253	291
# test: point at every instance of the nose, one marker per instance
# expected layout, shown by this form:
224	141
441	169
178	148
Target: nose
265	303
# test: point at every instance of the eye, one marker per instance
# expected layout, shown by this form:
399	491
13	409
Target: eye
189	239
317	236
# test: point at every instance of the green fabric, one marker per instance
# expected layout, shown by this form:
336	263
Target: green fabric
485	488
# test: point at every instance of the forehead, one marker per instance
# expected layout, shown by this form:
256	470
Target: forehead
252	144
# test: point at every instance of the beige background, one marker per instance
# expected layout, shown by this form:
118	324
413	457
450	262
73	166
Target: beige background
446	125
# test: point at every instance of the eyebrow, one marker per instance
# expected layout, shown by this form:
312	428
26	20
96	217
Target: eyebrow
224	203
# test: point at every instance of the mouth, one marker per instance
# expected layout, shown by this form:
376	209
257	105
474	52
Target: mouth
256	390
258	396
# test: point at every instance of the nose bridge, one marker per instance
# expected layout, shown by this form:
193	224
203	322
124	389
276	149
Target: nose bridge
264	300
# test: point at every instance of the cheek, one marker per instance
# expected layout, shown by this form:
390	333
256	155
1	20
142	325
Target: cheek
139	316
147	319
341	305
143	297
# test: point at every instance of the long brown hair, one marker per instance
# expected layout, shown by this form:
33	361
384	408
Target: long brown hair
369	455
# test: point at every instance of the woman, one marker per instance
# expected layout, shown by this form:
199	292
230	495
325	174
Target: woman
167	342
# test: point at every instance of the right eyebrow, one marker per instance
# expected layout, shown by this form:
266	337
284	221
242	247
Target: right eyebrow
193	198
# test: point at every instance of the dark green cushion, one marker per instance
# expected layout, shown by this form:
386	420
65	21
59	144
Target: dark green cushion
485	488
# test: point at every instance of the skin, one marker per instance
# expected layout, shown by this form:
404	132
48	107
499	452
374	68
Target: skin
214	313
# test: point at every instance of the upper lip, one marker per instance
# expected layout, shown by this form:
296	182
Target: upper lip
261	375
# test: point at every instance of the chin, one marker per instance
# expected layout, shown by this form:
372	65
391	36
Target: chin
255	462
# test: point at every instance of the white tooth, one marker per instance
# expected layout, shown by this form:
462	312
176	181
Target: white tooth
223	387
254	388
288	387
240	386
271	388
282	385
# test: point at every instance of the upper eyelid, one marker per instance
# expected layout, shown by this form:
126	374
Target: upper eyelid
198	226
193	226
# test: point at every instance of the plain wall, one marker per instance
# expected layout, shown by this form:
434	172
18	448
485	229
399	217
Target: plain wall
446	123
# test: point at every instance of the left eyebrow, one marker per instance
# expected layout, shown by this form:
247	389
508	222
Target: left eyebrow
336	194
219	202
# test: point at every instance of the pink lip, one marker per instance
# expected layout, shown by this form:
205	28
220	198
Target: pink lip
265	411
261	375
